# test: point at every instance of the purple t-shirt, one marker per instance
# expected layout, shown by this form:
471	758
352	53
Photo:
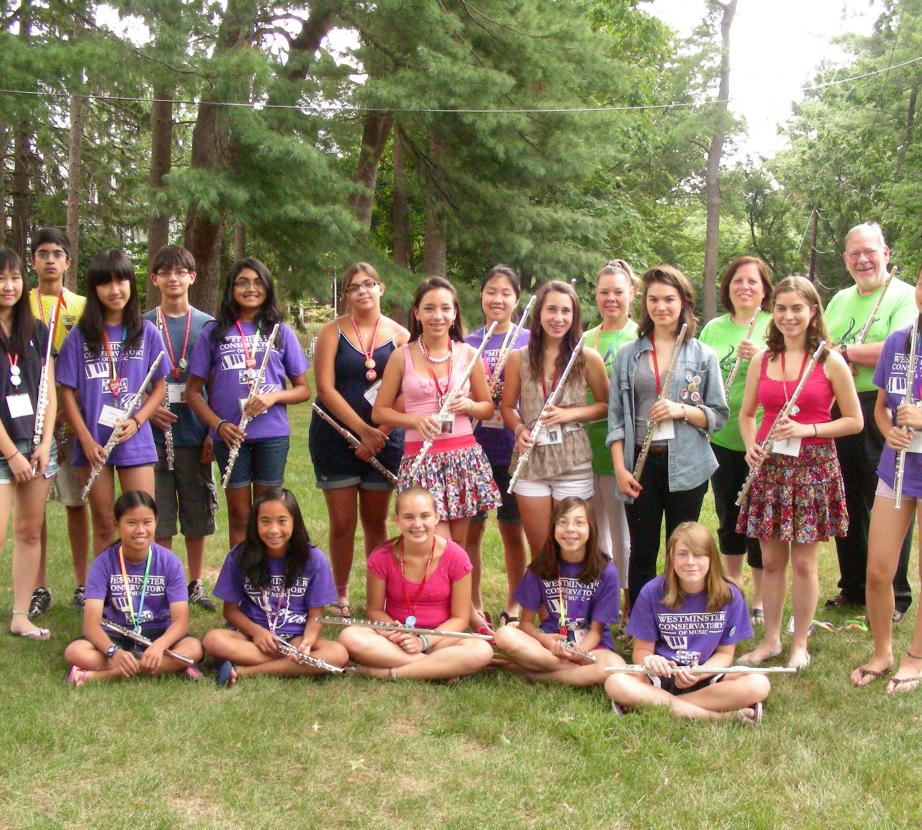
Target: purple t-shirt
89	373
166	583
597	601
890	375
223	368
312	589
497	441
689	635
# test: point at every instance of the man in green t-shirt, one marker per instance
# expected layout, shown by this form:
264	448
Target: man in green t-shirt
866	257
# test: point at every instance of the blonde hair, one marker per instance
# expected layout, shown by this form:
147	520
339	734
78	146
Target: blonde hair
699	540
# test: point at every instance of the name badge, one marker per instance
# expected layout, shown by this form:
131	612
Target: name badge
447	424
494	422
664	430
371	394
550	435
176	392
20	406
915	445
787	446
111	416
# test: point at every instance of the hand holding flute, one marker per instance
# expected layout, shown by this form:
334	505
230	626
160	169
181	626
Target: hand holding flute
904	413
739	356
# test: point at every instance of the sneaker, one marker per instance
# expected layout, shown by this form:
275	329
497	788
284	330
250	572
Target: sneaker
199	596
41	602
840	600
79	598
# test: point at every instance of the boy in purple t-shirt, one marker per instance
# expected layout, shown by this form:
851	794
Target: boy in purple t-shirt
137	585
690	617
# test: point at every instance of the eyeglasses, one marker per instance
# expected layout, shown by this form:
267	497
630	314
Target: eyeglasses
868	253
179	273
244	284
564	524
368	285
44	256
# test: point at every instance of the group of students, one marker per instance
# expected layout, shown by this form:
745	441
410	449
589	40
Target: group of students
453	448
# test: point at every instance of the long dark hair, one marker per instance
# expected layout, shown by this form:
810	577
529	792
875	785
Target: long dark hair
252	554
668	275
546	565
105	267
269	314
816	331
22	323
456	332
570	339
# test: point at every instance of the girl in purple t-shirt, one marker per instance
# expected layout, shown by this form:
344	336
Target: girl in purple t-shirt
102	364
692	615
227	358
274	584
419	580
140	585
578	588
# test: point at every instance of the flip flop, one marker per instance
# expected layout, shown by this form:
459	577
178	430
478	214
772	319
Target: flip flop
899	685
77	676
750	661
757	616
505	618
34	634
227	674
340	609
868	676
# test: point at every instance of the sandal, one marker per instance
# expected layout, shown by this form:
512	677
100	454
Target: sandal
900	685
32	633
505	618
339	609
867	676
77	676
757	616
227	674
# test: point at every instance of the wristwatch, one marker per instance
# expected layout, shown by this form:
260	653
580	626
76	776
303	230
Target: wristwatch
844	352
110	652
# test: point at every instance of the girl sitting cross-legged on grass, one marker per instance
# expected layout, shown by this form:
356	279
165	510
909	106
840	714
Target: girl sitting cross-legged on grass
136	584
422	580
273	584
692	615
578	588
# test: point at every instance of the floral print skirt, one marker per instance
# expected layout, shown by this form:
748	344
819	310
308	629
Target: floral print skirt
460	480
797	499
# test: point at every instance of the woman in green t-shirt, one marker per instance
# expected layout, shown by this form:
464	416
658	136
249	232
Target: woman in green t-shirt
614	296
745	291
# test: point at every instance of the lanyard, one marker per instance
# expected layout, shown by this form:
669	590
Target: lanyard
554	381
179	367
613	348
561	606
115	367
656	377
784	381
273	621
135	618
15	371
439	391
411	607
370	364
57	316
249	359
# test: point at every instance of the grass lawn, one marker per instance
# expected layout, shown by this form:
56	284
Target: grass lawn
491	752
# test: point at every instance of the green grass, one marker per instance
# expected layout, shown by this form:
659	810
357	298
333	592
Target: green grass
492	752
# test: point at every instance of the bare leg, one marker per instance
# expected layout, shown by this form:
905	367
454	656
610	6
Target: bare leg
249	660
373	509
84	655
540	665
472	545
756	574
342	512
514	552
195	556
536	520
28	521
637	691
101	498
239	502
137	478
888	527
775	556
78	532
805	589
908	675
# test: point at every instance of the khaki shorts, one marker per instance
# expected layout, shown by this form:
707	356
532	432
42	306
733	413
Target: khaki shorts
68	483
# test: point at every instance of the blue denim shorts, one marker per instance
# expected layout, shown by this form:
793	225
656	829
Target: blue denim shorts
258	462
25	447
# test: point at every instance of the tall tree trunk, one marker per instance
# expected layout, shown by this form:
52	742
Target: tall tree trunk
22	148
375	130
4	149
715	151
161	161
400	217
74	148
435	245
240	241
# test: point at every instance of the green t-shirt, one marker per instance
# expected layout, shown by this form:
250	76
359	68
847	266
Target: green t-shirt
848	311
607	344
723	336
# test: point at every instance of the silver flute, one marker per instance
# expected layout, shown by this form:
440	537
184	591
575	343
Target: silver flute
783	413
144	641
900	468
506	349
739	358
244	418
450	399
168	436
395	626
539	427
290	650
354	442
575	649
636	668
651	427
133	404
41	403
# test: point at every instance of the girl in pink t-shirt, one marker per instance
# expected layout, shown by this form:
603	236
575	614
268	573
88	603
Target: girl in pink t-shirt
420	580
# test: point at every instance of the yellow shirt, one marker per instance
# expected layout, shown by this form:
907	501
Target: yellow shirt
69	312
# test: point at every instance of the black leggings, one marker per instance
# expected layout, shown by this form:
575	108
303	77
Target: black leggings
726	482
645	518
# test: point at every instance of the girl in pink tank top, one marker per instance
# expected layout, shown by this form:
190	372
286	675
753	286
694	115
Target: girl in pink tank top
797	498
